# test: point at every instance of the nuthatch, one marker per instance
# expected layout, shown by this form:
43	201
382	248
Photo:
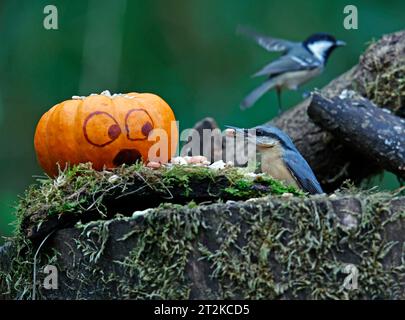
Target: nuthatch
280	158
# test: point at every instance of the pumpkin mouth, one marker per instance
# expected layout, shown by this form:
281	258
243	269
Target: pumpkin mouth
127	156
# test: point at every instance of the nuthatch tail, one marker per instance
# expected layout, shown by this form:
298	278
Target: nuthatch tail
280	158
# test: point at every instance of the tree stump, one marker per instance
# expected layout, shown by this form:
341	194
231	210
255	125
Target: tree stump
267	248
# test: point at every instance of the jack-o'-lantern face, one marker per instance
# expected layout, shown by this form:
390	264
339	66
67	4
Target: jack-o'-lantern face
101	129
107	131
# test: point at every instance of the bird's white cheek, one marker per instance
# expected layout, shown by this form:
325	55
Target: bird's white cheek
319	48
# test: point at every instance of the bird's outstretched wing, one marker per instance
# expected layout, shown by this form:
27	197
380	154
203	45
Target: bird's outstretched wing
288	63
301	170
268	43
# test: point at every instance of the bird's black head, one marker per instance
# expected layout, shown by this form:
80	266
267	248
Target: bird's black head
322	45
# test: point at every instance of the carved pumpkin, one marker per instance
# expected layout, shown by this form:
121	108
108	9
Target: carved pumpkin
105	130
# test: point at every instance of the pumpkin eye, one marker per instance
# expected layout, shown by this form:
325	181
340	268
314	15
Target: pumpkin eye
138	124
100	129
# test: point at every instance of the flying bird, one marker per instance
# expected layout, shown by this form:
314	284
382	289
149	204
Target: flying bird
299	63
280	158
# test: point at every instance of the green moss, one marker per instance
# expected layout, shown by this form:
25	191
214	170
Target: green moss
16	279
156	265
243	188
270	248
80	189
305	243
388	87
309	247
294	247
180	176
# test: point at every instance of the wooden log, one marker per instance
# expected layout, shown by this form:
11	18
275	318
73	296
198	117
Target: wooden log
268	248
373	132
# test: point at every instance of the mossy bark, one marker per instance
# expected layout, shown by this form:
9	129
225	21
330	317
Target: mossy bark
356	122
82	194
266	248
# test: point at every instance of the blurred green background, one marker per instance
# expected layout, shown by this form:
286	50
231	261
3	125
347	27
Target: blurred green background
185	51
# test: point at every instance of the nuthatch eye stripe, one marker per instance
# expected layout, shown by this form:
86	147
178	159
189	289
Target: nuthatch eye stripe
253	135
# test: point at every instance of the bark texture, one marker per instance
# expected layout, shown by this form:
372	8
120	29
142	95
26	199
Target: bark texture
267	248
373	132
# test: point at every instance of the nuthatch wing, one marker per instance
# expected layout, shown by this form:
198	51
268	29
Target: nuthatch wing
280	158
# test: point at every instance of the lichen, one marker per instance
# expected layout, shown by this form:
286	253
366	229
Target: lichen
159	266
16	279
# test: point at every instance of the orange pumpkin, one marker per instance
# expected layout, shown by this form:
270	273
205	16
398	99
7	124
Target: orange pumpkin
105	130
